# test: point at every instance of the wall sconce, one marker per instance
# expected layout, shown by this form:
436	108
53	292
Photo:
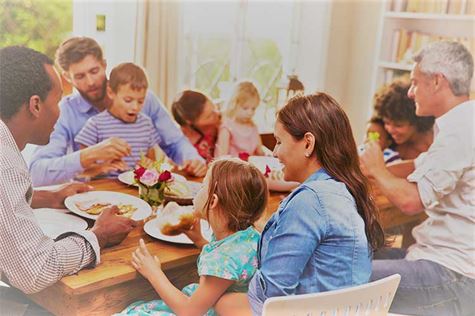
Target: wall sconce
100	22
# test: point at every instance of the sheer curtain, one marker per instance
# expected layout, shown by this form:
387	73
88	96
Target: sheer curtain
158	52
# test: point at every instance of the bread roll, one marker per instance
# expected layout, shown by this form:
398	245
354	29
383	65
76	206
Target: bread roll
175	219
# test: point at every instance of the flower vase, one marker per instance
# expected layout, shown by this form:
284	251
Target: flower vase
152	195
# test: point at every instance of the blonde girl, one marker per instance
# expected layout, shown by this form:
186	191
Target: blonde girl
238	134
233	197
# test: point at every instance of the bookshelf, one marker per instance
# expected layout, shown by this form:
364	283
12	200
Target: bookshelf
408	25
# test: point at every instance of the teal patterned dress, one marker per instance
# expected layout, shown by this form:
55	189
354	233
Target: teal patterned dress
232	258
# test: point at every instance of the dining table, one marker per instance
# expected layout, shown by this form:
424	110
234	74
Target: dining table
114	284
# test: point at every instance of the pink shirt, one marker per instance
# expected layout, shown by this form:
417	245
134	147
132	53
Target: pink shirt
244	138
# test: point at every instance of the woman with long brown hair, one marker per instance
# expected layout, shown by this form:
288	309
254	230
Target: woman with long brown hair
323	234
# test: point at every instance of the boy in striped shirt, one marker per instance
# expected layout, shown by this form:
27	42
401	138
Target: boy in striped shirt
123	119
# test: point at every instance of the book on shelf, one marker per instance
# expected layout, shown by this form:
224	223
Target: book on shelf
434	6
394	44
456	7
398	5
406	43
470	8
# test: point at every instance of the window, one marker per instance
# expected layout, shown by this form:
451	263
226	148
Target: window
41	25
229	41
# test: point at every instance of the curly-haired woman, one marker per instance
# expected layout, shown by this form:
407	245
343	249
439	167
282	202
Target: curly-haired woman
411	134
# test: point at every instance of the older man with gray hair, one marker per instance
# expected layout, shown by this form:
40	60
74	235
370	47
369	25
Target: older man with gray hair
438	271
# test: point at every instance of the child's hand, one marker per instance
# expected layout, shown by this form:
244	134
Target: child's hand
103	168
372	159
194	233
195	167
143	261
373	136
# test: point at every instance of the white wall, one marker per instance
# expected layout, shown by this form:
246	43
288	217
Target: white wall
313	44
118	40
351	55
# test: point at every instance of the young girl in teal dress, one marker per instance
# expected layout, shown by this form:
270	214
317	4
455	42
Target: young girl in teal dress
233	197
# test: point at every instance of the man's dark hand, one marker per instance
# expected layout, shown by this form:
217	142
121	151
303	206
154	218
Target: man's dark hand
110	228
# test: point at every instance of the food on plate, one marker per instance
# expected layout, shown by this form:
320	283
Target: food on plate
179	189
96	208
182	192
92	207
126	210
175	219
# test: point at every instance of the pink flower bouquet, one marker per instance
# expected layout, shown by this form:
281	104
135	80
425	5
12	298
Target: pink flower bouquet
152	177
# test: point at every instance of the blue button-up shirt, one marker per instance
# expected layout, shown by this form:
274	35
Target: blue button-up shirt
59	161
315	242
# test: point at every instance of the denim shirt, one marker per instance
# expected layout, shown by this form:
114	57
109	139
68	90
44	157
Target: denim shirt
59	160
315	242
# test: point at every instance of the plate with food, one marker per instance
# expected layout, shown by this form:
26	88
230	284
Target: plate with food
54	222
128	177
172	221
182	192
91	204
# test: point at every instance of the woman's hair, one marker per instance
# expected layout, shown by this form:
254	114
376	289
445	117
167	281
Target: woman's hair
243	91
392	102
75	49
335	148
241	189
188	106
451	59
376	120
128	73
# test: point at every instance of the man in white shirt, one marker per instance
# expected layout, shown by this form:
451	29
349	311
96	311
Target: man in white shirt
438	271
30	261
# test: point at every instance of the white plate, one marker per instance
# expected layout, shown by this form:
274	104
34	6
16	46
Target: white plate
261	161
128	177
151	228
194	188
54	222
143	209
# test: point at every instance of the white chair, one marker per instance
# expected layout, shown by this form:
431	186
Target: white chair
371	299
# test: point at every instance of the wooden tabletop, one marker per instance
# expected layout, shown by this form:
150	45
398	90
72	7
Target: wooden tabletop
114	284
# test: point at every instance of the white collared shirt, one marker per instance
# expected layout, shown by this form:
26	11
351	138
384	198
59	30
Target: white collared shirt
445	177
29	259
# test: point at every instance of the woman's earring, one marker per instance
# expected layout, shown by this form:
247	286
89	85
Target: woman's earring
307	155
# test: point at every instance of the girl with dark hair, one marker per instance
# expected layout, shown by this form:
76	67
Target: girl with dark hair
324	233
412	134
199	120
